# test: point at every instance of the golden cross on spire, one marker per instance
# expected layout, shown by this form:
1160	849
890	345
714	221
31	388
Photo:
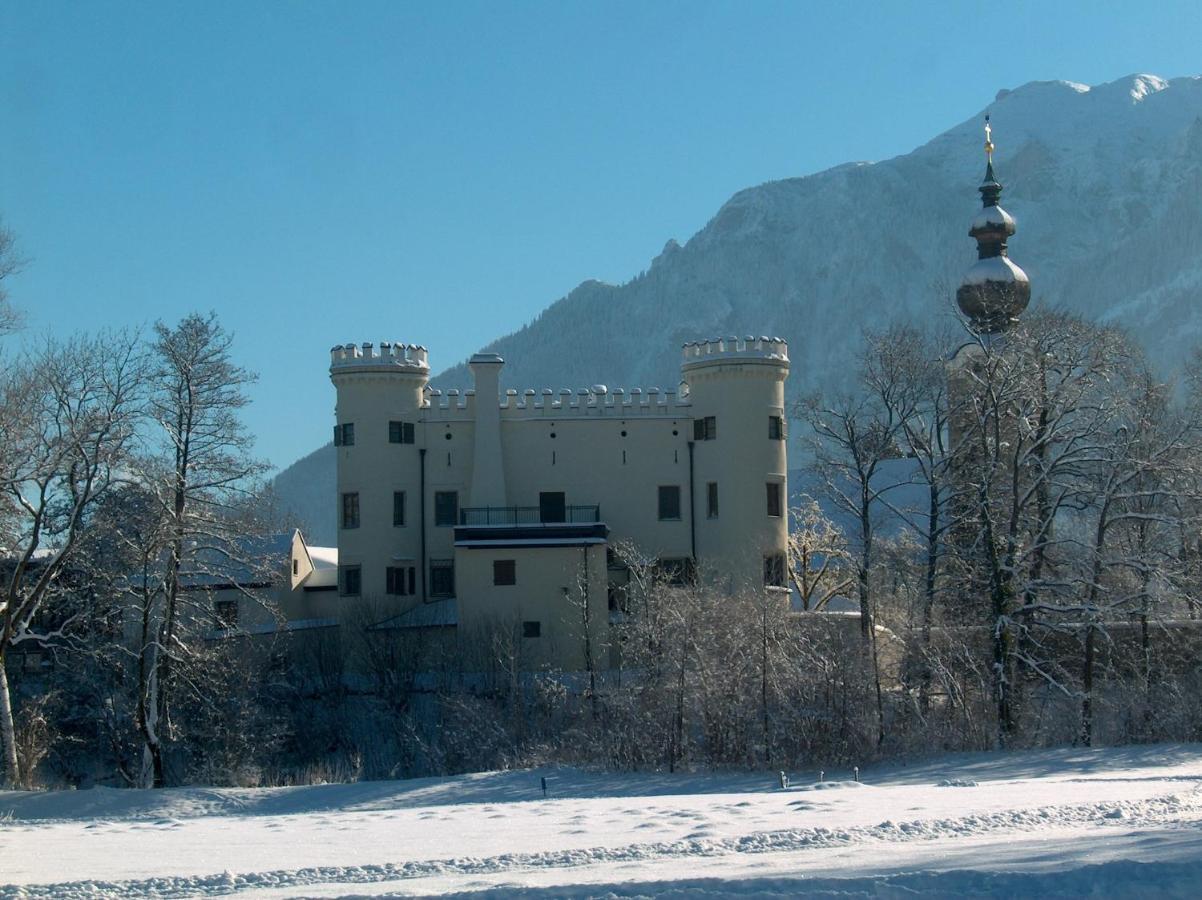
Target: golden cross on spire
988	140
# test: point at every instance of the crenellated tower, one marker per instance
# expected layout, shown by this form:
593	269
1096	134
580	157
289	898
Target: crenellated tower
740	491
378	436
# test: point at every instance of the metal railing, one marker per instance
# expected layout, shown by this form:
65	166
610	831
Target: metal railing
528	515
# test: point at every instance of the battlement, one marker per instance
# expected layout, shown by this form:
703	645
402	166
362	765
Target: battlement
410	357
736	348
597	401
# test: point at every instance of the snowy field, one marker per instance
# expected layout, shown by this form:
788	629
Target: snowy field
1066	823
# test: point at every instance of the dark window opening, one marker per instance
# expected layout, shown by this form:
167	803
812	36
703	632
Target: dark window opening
705	429
350	582
504	571
446	508
774	498
296	567
711	500
442	578
552	507
532	629
774	570
400	433
344	434
399	580
398	508
777	430
669	502
350	510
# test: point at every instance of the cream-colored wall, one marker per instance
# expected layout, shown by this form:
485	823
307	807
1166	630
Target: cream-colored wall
594	464
610	448
543	575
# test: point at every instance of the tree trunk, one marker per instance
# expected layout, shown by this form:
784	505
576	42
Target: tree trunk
1087	688
8	731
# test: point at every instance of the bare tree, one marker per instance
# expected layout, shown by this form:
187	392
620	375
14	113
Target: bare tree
68	415
204	479
818	556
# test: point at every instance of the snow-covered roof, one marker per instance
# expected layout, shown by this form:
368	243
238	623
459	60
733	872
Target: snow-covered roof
992	216
325	567
995	268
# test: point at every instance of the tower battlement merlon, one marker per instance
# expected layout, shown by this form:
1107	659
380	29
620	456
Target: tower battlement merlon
388	356
734	348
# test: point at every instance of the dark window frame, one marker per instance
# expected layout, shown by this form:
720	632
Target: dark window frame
777	429
350	580
711	500
705	428
532	629
504	572
440	511
401	432
350	510
775	571
344	434
775	499
442	578
664	493
398	509
399	580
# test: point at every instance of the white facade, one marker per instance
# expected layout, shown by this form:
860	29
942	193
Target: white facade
507	500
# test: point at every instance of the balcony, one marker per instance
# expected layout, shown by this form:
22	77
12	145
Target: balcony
548	525
529	515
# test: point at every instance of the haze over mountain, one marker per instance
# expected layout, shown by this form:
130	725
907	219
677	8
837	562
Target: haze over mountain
1104	184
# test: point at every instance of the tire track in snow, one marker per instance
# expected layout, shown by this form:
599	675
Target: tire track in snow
1154	811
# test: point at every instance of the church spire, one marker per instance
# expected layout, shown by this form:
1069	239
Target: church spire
994	291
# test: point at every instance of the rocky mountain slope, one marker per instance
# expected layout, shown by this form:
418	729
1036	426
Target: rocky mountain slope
1104	182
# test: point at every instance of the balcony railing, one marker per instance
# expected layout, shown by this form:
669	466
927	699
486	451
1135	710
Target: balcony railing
528	515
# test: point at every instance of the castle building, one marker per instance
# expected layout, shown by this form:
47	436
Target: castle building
464	508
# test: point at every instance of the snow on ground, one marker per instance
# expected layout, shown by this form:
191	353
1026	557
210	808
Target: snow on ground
1065	823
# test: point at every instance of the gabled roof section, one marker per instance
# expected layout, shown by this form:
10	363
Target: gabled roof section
312	567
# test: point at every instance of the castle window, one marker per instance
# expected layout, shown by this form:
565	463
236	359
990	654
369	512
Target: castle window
350	581
552	507
296	567
504	571
711	500
442	578
669	502
776	428
398	508
532	629
344	434
226	612
774	499
399	580
446	508
774	570
350	510
400	432
705	429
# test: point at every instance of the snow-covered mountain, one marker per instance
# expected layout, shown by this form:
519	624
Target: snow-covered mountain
1105	184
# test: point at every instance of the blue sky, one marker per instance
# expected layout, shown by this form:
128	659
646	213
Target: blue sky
439	172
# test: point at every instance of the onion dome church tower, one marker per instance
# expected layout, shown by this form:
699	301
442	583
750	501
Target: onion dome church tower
994	291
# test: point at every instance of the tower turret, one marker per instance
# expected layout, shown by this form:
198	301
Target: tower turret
378	440
740	490
994	291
